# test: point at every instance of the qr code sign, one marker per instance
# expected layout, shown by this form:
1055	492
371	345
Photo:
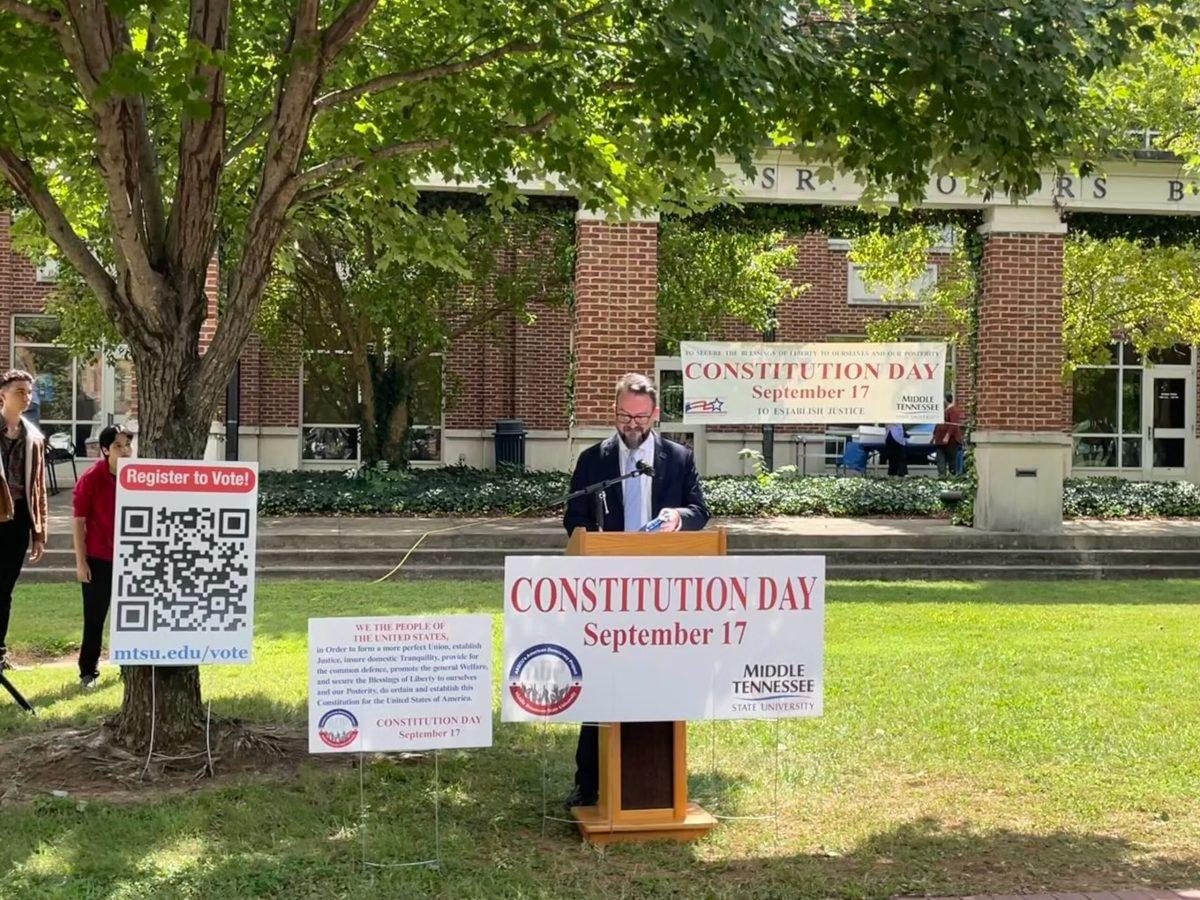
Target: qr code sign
183	570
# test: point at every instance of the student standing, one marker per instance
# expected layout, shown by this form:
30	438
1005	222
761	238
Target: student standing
93	530
22	491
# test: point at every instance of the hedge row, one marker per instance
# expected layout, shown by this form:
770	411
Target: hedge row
455	491
1115	498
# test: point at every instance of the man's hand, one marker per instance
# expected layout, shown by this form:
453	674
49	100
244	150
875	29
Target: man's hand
672	521
83	573
35	552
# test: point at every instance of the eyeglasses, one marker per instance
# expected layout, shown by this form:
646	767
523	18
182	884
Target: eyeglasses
625	418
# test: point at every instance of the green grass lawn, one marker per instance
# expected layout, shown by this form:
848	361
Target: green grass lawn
977	738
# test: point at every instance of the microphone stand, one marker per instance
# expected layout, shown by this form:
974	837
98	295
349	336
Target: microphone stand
16	695
598	492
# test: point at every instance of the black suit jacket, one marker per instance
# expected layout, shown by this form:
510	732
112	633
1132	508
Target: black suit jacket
676	483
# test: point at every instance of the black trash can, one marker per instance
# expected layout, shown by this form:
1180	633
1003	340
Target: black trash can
510	443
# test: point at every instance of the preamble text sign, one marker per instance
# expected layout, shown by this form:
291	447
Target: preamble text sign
381	683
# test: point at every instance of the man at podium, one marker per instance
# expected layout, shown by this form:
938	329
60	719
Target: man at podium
673	500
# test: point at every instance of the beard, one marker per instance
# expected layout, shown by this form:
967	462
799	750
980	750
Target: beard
634	440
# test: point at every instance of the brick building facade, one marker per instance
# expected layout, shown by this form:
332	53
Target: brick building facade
567	361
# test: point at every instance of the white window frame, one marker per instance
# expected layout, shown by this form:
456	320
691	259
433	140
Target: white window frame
319	464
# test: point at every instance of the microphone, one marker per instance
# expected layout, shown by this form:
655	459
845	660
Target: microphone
646	470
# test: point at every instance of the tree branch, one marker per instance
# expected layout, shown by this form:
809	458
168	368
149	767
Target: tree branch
351	164
352	19
441	70
91	38
191	230
20	176
383	82
288	137
51	18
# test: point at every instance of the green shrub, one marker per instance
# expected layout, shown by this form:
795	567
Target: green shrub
459	491
1116	498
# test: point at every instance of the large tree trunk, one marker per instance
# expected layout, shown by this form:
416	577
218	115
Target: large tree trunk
162	704
397	432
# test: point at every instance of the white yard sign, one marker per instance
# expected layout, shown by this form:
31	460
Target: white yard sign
383	683
764	384
643	639
183	564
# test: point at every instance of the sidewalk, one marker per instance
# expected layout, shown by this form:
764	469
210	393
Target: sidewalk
801	527
1138	894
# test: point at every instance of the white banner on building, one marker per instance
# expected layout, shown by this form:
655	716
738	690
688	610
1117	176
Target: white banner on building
645	639
183	562
380	683
775	384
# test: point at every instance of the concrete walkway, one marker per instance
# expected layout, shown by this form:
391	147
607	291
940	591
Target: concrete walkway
1139	894
808	526
802	527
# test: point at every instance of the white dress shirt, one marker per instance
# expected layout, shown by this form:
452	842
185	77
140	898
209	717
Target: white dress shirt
628	458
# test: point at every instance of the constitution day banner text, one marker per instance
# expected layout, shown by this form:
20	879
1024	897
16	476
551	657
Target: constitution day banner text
643	639
764	384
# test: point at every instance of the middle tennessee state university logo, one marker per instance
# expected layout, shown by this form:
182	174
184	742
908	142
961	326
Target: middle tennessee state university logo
338	728
545	680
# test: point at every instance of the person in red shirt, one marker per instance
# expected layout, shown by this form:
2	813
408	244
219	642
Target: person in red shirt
94	528
948	438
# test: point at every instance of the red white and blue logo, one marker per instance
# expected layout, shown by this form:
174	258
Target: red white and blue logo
545	679
338	728
713	406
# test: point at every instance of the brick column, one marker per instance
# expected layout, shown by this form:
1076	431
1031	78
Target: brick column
1022	451
615	325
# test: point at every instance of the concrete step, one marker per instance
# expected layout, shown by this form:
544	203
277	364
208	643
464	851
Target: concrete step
866	556
835	571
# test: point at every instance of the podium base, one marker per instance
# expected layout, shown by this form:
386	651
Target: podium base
644	825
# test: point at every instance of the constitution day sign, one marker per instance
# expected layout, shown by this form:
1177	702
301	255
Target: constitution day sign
183	563
764	384
381	683
645	639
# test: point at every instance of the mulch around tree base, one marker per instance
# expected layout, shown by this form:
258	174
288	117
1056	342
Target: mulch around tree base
88	764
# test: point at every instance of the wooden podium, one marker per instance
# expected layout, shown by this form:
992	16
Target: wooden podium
643	765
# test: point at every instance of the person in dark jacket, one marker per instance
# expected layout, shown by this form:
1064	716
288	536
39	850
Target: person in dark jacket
673	497
22	491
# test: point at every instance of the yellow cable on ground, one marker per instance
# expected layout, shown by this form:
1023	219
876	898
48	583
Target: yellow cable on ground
450	528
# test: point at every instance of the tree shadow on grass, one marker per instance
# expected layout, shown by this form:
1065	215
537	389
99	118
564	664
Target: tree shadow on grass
303	836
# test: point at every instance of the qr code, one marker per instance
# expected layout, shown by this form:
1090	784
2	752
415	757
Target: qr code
183	569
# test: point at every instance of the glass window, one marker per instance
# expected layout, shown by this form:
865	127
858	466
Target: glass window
1170	409
670	394
330	392
426	403
1095	401
329	443
35	329
860	293
89	385
71	396
329	404
1107	411
51	369
1095	452
1179	355
425	411
1131	402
